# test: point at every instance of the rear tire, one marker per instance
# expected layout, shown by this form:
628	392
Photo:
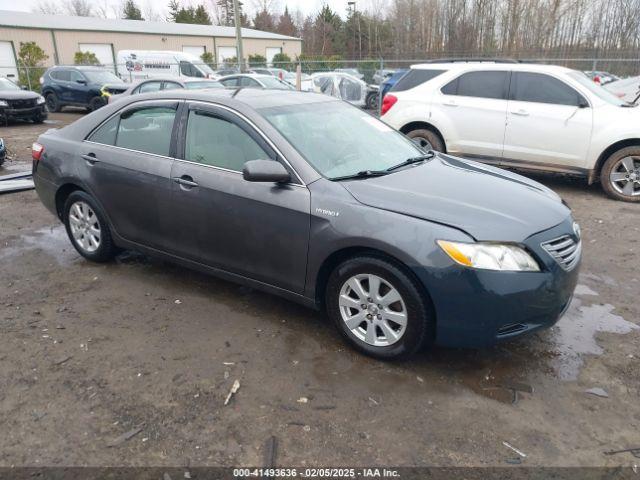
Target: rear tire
367	315
87	228
620	175
429	140
52	102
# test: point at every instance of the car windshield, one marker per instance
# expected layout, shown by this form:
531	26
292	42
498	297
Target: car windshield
273	82
7	85
196	85
101	76
597	90
340	140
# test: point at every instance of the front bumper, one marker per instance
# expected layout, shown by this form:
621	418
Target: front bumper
8	113
479	308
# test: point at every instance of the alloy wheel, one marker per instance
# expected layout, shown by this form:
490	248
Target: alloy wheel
425	144
85	226
625	176
373	310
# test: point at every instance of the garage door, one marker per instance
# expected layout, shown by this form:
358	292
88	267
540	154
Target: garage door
225	53
195	50
272	52
7	61
103	51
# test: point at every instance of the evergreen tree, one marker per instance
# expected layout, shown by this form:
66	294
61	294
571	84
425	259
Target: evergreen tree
131	11
286	25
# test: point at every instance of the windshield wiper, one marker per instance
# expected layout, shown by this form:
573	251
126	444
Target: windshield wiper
409	161
362	174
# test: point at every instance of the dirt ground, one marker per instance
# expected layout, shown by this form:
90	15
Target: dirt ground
90	352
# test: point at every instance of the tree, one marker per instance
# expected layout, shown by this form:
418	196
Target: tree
130	11
201	16
227	15
207	57
286	26
48	7
180	14
282	60
257	60
85	58
264	21
30	57
79	8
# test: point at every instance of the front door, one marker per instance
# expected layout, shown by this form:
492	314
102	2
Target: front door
126	163
474	109
257	230
548	123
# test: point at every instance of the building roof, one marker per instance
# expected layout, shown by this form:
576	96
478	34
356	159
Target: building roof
10	18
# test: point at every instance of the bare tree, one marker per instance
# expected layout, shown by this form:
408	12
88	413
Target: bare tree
48	7
79	8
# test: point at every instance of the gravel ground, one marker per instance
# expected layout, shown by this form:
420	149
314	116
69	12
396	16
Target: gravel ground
93	354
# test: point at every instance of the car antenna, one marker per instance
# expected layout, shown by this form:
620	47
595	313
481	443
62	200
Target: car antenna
236	92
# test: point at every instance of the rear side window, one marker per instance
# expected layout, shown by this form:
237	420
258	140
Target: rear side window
230	82
415	77
218	142
62	75
541	88
149	87
480	85
171	86
145	130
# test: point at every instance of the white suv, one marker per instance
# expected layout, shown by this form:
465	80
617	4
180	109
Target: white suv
522	116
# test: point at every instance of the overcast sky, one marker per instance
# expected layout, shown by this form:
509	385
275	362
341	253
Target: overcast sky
306	6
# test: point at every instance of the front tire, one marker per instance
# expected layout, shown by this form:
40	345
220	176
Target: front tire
620	175
87	228
378	308
52	102
428	139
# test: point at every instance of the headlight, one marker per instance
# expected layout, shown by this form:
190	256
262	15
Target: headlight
40	100
490	256
3	103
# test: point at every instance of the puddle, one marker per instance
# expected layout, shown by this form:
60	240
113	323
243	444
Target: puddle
51	240
575	335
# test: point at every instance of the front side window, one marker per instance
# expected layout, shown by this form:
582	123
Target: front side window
76	76
149	87
541	88
338	139
490	84
217	142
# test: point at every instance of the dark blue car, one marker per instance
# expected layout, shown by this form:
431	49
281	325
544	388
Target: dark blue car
79	86
391	81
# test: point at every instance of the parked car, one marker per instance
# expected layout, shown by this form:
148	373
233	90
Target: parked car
627	89
602	78
339	85
170	83
307	197
537	117
223	72
351	71
139	64
254	80
290	77
3	151
16	103
380	76
275	72
391	81
79	87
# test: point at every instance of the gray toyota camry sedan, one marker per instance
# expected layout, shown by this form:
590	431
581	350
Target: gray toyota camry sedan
307	197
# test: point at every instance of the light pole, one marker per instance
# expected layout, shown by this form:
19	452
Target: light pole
238	20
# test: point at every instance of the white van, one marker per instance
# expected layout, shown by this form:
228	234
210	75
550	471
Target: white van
139	64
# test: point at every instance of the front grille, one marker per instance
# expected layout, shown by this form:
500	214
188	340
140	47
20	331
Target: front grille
564	250
22	103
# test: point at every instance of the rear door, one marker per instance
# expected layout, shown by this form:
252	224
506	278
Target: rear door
473	110
257	230
549	122
126	162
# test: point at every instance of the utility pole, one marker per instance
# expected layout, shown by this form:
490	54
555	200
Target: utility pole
238	20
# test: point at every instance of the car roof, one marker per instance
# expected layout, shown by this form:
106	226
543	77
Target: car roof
250	75
484	65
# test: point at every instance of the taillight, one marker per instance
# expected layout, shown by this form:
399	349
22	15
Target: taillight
36	151
387	102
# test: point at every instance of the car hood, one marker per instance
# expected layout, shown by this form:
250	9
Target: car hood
488	203
18	95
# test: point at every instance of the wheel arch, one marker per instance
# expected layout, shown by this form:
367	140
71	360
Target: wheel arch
424	125
63	193
610	150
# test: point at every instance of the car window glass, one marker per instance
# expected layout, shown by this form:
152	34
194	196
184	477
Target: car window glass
106	133
413	78
186	69
171	85
75	76
230	82
149	87
63	75
147	130
479	85
540	88
217	142
248	82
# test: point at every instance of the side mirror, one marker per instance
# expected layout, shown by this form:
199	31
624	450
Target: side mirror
265	171
583	103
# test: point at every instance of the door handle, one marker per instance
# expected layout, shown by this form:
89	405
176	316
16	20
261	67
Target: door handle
520	113
450	103
90	158
185	181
